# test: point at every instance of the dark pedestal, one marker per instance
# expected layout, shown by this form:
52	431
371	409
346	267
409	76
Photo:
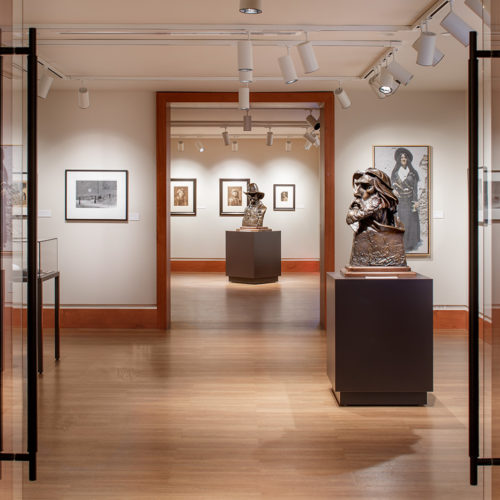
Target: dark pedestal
253	257
379	340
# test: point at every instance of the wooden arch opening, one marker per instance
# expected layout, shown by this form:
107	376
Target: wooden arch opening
164	100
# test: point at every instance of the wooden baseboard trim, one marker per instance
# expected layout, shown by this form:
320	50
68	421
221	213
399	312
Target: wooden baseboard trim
451	319
219	266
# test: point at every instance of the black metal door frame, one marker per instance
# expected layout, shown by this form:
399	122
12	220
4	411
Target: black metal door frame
32	387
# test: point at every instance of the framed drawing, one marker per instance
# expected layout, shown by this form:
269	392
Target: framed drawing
408	167
183	197
284	197
96	195
232	198
495	196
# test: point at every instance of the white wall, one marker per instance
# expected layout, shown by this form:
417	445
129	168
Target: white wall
101	262
437	119
203	236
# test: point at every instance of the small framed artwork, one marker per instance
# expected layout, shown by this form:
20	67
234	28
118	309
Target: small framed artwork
284	197
232	198
495	196
19	194
482	200
183	197
409	169
96	195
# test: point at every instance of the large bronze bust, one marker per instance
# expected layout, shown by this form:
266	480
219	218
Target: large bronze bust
378	233
255	211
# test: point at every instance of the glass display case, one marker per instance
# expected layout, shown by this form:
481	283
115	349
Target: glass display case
47	257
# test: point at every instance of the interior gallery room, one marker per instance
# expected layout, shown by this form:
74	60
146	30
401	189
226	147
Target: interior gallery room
249	249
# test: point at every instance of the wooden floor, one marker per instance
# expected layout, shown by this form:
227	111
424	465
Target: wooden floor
234	403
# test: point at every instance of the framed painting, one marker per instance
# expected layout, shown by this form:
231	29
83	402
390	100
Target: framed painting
284	197
409	168
183	197
232	198
96	195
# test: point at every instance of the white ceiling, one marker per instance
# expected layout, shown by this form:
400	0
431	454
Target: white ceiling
130	44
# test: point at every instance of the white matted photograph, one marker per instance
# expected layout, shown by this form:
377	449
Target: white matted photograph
183	197
97	195
409	169
232	197
284	197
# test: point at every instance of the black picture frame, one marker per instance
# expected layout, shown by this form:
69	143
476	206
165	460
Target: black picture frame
190	197
226	206
279	204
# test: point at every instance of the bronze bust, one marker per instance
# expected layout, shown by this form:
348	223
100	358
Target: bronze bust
378	233
254	213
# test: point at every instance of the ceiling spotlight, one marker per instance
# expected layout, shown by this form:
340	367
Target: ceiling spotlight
44	84
315	124
400	74
287	68
199	146
245	76
457	27
83	98
374	82
269	138
426	48
245	55
244	98
251	6
387	84
310	136
342	97
438	55
307	56
308	145
288	146
234	146
247	123
478	8
180	146
225	138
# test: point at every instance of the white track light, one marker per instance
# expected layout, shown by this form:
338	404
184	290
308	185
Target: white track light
310	136
387	84
315	124
457	27
438	55
234	146
247	123
287	68
180	146
246	76
83	98
375	86
308	145
245	55
342	97
288	146
479	9
307	56
269	138
426	48
199	146
244	98
400	74
44	84
251	6
225	138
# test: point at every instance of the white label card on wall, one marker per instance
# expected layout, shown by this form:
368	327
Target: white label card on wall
44	213
134	216
300	207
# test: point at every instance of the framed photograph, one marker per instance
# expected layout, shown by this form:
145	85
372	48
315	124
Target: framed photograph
97	195
409	168
495	196
482	201
232	198
183	197
284	197
19	194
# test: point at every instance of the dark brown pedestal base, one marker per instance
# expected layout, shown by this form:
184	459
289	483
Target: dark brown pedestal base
380	398
253	257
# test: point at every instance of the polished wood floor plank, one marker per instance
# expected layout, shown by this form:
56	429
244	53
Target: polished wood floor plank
234	403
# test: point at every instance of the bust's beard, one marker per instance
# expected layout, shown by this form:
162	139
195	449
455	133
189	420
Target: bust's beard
361	209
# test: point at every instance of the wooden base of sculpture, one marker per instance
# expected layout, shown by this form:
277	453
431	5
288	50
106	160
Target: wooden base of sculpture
244	229
377	271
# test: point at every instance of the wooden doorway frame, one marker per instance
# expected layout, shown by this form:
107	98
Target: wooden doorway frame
327	218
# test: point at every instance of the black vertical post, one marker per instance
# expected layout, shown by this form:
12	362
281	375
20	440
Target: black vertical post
473	263
32	261
2	236
57	339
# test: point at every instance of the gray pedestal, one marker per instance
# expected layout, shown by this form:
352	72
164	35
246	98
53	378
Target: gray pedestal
253	257
379	340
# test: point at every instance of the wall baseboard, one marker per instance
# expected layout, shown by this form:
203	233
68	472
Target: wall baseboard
147	318
219	266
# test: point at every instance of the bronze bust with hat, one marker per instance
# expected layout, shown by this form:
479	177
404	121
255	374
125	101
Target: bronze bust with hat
253	216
